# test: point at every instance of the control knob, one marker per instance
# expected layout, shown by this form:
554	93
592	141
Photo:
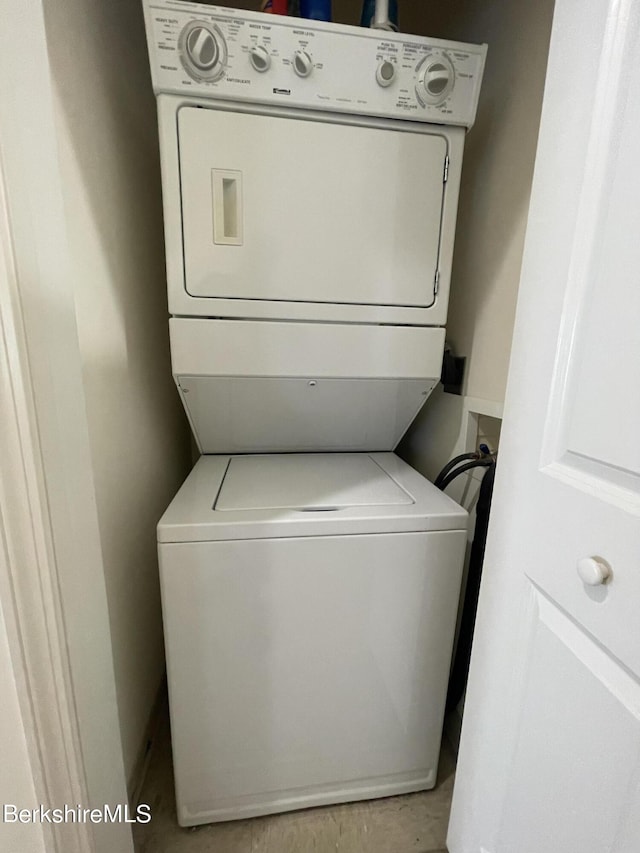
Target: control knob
436	80
259	58
202	50
385	73
302	63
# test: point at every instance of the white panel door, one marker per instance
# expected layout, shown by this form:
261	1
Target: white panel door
306	211
550	751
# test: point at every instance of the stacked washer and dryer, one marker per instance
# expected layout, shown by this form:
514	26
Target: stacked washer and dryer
310	577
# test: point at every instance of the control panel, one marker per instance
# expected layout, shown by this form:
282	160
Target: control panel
221	53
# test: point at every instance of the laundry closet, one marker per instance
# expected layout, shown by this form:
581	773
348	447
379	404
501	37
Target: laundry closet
139	432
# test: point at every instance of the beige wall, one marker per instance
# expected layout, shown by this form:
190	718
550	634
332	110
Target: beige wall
139	436
496	183
494	199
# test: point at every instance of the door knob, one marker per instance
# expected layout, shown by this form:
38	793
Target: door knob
593	571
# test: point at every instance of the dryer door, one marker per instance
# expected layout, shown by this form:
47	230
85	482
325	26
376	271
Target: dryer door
290	209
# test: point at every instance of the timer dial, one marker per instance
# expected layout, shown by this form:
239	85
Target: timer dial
437	79
202	50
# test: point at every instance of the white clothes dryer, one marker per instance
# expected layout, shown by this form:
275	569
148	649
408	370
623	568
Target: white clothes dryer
325	201
309	608
327	196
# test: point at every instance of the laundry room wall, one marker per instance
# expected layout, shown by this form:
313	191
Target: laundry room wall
494	201
139	437
497	176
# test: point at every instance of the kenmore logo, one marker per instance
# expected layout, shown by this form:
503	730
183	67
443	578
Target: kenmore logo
282	91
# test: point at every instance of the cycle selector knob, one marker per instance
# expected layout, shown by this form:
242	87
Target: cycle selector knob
437	79
259	58
302	63
202	50
385	73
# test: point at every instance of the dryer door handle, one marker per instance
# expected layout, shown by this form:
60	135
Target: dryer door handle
226	190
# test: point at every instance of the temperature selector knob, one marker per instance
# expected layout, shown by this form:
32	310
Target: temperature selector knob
260	59
203	50
385	73
302	63
437	79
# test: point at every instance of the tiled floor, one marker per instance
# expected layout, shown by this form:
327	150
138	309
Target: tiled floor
415	823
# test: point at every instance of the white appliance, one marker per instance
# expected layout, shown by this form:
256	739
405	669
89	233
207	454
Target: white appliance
310	181
309	607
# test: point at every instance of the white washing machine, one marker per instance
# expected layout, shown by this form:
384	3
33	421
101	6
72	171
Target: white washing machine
309	607
309	577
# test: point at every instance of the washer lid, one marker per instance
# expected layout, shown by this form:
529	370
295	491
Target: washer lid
311	482
306	494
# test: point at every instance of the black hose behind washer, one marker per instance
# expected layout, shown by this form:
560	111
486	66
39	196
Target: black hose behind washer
460	668
463	456
476	463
